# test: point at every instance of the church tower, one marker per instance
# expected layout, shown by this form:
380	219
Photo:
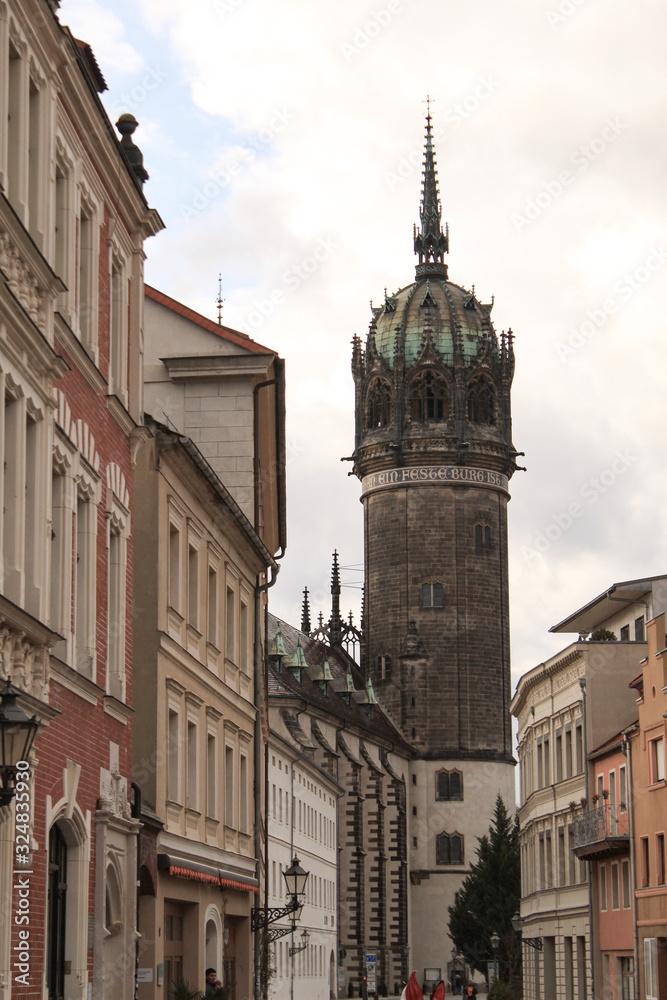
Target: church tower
434	453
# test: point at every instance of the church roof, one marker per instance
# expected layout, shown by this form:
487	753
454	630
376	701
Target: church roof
356	708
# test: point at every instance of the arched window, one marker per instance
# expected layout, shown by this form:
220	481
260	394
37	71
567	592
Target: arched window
449	786
378	404
428	398
481	401
432	595
449	849
57	890
482	538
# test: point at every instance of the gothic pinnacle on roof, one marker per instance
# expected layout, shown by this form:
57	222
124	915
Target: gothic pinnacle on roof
430	243
305	612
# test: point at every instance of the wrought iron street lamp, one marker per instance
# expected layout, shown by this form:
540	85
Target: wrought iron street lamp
517	925
17	735
295	880
305	938
495	944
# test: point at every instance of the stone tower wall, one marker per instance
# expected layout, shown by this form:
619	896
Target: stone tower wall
460	679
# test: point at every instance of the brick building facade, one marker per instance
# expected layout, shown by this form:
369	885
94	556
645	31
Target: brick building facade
73	219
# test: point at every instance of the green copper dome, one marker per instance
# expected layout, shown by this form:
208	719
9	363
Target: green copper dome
433	306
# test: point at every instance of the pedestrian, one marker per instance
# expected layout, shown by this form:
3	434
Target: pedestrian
213	984
471	990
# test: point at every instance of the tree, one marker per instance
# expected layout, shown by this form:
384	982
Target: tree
603	635
489	898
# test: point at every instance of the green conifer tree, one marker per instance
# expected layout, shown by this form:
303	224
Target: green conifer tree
489	898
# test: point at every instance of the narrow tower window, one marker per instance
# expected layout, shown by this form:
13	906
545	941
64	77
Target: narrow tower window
482	538
481	401
432	595
428	398
378	404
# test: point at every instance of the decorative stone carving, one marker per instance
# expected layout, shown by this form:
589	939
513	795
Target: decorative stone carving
113	794
24	662
22	282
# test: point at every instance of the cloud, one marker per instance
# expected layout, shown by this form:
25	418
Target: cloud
94	20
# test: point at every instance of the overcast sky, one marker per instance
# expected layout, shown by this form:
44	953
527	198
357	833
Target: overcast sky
283	143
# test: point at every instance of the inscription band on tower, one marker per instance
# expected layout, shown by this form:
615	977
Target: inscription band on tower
433	475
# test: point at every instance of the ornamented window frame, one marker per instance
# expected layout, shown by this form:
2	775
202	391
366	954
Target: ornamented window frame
422	397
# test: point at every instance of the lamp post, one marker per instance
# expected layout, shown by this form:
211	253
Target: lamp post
305	938
495	944
295	880
517	926
17	735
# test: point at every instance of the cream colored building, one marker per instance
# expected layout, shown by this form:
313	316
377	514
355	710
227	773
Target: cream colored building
195	717
302	821
566	706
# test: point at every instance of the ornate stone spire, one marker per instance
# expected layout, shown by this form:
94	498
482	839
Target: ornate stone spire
430	243
305	612
335	623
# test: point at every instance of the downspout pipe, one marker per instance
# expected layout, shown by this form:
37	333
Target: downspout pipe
627	753
261	588
136	814
591	936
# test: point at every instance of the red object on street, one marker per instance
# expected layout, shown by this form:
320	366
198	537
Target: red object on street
413	990
439	991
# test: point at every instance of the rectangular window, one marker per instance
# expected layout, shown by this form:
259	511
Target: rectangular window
579	748
62	206
437	595
230	643
211	777
116	615
603	886
540	764
243	794
651	968
625	633
34	520
14	444
15	117
600	789
543	862
625	881
426	595
212	606
572	856
623	789
173	760
615	888
568	753
657	760
193	586
85	275
229	786
84	600
660	858
645	864
243	637
117	330
547	761
174	567
559	756
192	798
606	979
640	634
549	859
34	162
60	550
562	874
626	977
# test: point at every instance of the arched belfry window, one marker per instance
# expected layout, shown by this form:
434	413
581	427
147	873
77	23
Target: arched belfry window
428	398
481	401
378	404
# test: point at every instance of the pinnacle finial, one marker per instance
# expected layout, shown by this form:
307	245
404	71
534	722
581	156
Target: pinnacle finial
305	612
430	242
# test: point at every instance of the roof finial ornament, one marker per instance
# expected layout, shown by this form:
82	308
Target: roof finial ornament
219	300
305	612
430	242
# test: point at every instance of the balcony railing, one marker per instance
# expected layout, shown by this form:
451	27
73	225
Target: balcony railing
600	831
